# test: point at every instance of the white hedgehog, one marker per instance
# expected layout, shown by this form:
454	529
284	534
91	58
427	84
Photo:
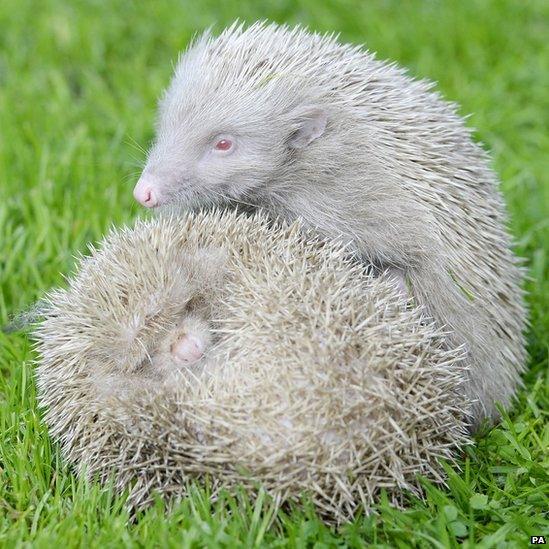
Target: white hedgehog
319	377
305	127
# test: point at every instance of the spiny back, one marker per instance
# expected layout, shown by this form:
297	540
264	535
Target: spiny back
396	170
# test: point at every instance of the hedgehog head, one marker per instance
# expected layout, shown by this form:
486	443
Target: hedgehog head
239	109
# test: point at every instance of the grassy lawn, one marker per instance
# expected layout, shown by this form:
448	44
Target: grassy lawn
79	82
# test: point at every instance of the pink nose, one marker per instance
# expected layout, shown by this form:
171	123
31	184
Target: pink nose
145	192
188	349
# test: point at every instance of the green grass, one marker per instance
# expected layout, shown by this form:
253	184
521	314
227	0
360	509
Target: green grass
78	87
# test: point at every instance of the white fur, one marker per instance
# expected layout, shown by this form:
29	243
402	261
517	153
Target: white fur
386	164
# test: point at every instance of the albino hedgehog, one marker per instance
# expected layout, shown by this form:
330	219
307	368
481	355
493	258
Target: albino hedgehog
305	127
316	375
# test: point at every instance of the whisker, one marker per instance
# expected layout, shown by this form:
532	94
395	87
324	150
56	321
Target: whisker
130	175
129	140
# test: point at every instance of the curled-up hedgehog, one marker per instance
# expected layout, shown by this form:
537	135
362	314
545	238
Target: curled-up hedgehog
307	128
257	353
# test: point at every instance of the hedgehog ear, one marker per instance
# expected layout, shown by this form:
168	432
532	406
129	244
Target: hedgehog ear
311	123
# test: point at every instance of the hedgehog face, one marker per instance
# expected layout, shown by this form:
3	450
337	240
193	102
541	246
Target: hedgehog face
221	157
218	140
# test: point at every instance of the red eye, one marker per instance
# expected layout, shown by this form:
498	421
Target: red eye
223	145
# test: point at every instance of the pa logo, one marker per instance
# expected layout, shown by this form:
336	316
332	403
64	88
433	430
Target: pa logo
537	540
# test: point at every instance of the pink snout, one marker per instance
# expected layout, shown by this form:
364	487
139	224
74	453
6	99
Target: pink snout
146	192
188	349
